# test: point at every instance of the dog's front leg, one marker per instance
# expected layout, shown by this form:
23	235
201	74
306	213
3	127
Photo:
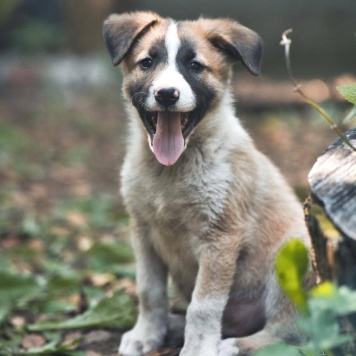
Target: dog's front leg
152	323
217	263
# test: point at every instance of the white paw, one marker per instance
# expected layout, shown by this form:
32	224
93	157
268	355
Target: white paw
138	343
198	348
228	347
187	352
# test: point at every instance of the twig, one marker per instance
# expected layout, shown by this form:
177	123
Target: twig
286	42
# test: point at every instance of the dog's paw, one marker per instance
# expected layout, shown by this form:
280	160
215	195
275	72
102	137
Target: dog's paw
138	343
199	349
187	352
228	347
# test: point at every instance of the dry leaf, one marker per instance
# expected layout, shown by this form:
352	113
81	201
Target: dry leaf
128	284
92	353
84	243
32	341
101	279
77	219
18	321
82	189
96	336
70	338
37	244
59	231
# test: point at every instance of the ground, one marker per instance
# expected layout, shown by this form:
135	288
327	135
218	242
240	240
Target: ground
67	271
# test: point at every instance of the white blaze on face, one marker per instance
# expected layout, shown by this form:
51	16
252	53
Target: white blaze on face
172	44
168	142
170	77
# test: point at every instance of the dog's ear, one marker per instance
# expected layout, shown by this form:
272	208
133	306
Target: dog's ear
237	41
121	31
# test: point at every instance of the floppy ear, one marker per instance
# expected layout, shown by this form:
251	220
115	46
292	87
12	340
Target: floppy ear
238	41
121	31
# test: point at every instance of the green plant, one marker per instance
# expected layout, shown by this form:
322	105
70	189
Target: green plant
324	310
349	93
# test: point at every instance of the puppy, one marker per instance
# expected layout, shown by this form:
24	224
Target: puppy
205	205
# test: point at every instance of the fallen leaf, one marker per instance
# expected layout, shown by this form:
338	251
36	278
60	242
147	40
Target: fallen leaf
91	353
32	341
100	279
59	231
116	311
9	243
37	244
82	189
18	287
96	336
72	340
18	321
84	243
128	284
106	256
77	219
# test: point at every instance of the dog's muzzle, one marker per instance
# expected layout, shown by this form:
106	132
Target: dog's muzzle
166	124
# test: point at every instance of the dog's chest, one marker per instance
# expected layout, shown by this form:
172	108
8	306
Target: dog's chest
180	203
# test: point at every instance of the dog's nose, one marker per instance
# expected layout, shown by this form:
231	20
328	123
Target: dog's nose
167	96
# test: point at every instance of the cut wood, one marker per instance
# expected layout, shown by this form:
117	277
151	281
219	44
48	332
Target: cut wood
332	183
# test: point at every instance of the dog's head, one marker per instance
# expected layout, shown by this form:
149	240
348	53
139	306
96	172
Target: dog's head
175	72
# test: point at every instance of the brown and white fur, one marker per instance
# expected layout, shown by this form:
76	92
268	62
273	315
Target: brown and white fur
205	205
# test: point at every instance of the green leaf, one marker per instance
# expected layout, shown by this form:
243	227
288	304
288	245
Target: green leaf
339	301
350	116
63	284
326	304
348	91
117	311
105	257
30	226
15	288
53	306
10	343
292	263
11	138
320	325
4	312
324	290
125	272
53	348
45	349
278	350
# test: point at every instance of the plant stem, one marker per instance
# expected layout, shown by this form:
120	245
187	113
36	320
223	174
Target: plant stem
286	42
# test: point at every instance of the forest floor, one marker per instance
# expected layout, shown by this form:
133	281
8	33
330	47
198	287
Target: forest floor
66	269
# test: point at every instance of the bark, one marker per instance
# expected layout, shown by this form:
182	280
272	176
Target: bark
332	183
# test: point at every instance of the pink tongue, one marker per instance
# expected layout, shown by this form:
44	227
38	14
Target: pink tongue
168	141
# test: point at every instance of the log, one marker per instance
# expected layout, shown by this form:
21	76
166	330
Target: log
332	183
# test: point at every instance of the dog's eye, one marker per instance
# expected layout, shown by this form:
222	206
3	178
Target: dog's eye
196	66
146	63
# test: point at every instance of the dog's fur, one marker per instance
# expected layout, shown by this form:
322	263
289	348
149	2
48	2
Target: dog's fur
205	205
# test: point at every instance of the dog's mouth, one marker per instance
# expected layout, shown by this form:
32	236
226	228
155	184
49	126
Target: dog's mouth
167	132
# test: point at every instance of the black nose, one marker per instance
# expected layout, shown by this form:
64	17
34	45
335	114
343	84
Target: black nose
167	96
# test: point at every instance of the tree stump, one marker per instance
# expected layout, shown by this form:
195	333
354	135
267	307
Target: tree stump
332	183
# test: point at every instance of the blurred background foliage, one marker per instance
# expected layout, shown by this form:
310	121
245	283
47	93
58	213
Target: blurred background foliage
324	29
64	251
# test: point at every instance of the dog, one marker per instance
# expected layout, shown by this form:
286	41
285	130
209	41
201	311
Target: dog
205	205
